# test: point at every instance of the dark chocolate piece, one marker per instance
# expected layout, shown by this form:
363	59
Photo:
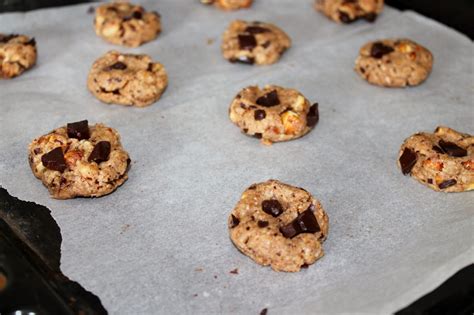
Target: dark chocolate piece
313	115
345	18
54	160
452	149
256	30
235	221
378	50
259	114
257	135
264	311
6	38
269	99
118	66
78	130
100	153
31	42
407	160
304	223
262	224
272	207
447	183
247	42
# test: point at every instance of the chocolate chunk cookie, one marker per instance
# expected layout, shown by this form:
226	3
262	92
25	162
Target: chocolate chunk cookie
127	79
273	113
229	4
443	160
348	11
279	225
17	54
79	160
126	24
254	43
394	63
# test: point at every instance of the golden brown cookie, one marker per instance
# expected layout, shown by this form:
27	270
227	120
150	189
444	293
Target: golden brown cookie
79	160
126	24
348	11
17	54
273	114
229	4
394	63
279	225
443	160
127	79
254	43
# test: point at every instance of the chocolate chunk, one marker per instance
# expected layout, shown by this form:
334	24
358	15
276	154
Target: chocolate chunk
264	311
7	38
447	183
243	59
259	114
31	42
313	115
438	149
247	42
137	15
407	160
269	99
54	160
118	66
100	153
150	66
304	223
266	44
262	224
235	221
257	135
256	30
430	181
78	130
345	18
371	17
378	50
304	266
37	150
452	149
272	207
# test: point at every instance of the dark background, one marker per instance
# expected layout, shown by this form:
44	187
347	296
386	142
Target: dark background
456	295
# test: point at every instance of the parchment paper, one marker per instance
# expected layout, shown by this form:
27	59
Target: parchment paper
159	244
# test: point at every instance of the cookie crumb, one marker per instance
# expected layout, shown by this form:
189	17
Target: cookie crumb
234	271
264	311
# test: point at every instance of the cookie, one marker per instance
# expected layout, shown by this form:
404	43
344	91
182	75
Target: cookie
348	11
443	160
79	160
279	225
254	43
17	54
229	4
127	79
394	63
273	114
126	24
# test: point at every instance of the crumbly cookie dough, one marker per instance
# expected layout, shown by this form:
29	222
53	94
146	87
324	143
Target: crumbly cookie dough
127	79
17	54
273	114
279	225
79	160
348	11
126	24
229	4
443	160
254	43
394	63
